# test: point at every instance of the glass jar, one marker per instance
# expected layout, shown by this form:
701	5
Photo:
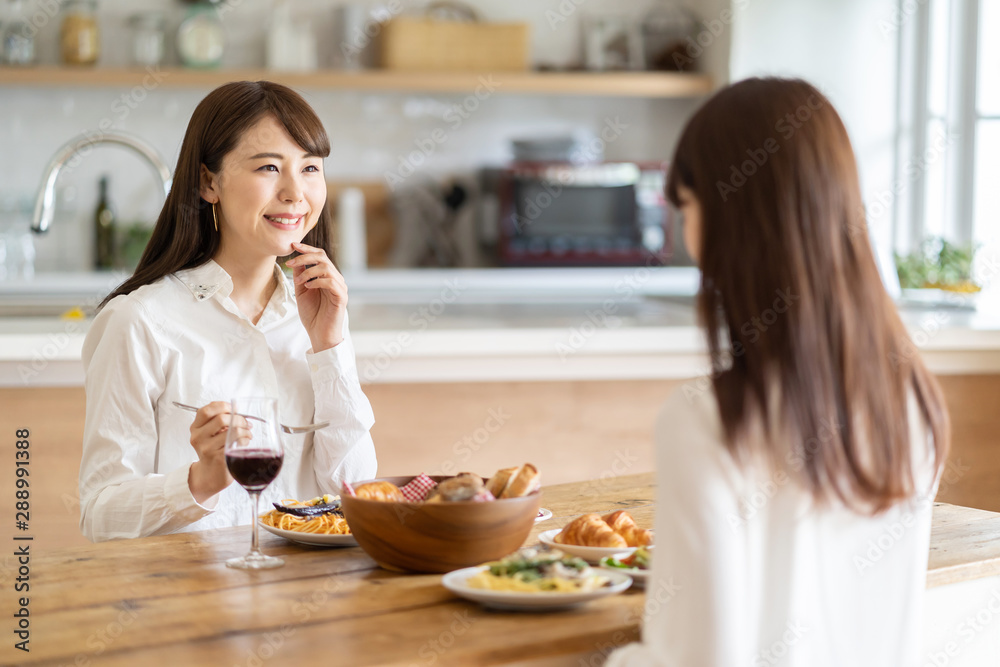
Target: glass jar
79	40
18	36
200	37
147	38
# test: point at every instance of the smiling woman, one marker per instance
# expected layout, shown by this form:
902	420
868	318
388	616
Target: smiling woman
209	316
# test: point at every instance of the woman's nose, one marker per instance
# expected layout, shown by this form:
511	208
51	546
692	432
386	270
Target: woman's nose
291	189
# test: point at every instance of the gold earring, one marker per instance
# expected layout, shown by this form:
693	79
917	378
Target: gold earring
215	218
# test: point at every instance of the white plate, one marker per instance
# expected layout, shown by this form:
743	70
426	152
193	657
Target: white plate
517	601
639	577
592	555
311	538
543	515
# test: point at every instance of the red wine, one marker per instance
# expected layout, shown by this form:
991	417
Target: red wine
254	469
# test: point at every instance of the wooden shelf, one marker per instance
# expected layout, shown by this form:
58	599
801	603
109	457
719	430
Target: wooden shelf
611	84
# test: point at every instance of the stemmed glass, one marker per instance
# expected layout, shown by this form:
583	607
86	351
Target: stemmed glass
253	455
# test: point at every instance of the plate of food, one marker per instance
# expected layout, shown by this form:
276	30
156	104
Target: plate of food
637	564
535	580
317	522
593	537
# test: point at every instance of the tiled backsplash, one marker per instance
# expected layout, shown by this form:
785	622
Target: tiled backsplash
370	132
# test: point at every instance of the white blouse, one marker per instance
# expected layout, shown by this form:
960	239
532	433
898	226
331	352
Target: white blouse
183	339
747	572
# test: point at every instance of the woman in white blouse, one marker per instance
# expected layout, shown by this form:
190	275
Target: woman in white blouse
794	485
209	315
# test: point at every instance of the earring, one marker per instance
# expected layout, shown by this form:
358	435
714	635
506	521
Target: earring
215	218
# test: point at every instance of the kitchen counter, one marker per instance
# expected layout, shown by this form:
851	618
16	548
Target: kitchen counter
171	600
572	339
499	325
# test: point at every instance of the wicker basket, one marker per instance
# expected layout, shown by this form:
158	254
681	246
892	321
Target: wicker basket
431	45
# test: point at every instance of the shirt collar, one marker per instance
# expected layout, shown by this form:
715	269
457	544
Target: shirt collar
209	279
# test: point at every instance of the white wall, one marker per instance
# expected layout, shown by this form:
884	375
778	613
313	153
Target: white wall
369	131
848	49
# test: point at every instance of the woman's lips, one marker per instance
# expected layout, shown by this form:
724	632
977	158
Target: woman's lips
283	222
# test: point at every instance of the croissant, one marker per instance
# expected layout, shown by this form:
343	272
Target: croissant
622	523
590	530
384	491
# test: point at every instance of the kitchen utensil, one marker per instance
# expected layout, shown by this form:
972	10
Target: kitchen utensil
254	461
438	537
291	430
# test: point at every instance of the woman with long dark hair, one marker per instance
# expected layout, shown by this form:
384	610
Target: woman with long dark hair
209	315
795	484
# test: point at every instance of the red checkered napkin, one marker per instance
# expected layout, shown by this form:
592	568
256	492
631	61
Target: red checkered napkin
417	488
348	489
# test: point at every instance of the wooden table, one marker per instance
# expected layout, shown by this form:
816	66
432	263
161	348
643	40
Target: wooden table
171	600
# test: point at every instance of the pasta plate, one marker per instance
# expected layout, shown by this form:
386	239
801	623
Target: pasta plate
540	601
312	539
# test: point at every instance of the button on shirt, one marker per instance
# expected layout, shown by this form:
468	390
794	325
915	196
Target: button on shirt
183	339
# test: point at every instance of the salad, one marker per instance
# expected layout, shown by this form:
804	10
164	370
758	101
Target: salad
531	570
640	559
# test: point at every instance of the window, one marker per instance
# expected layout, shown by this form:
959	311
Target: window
948	153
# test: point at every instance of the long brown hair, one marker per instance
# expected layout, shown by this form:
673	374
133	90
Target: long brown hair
184	236
791	298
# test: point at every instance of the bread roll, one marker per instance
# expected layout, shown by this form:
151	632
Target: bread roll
383	491
499	481
457	489
622	523
590	530
523	482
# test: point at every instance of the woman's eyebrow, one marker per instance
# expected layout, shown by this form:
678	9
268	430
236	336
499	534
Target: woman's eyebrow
276	156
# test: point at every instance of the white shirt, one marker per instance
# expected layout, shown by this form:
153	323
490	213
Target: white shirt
183	339
748	572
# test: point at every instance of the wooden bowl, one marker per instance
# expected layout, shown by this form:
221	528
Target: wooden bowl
438	537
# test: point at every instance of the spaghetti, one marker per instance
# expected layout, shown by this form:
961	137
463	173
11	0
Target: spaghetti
329	523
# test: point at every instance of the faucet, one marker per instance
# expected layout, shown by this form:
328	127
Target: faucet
45	202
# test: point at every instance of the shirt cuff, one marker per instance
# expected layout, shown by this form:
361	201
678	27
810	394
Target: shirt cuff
181	501
331	364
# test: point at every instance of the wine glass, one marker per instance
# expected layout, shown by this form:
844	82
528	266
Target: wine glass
253	455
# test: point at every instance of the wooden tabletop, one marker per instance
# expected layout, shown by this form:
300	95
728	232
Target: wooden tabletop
171	600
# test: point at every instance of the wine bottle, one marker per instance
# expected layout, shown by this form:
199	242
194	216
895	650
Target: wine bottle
104	230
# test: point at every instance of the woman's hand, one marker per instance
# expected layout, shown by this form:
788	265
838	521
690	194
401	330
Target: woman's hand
321	294
209	474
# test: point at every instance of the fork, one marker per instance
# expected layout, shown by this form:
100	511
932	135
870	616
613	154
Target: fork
291	430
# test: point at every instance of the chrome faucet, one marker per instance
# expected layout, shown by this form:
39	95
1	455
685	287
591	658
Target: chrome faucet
45	202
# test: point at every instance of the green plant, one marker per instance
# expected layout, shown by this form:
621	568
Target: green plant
937	263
